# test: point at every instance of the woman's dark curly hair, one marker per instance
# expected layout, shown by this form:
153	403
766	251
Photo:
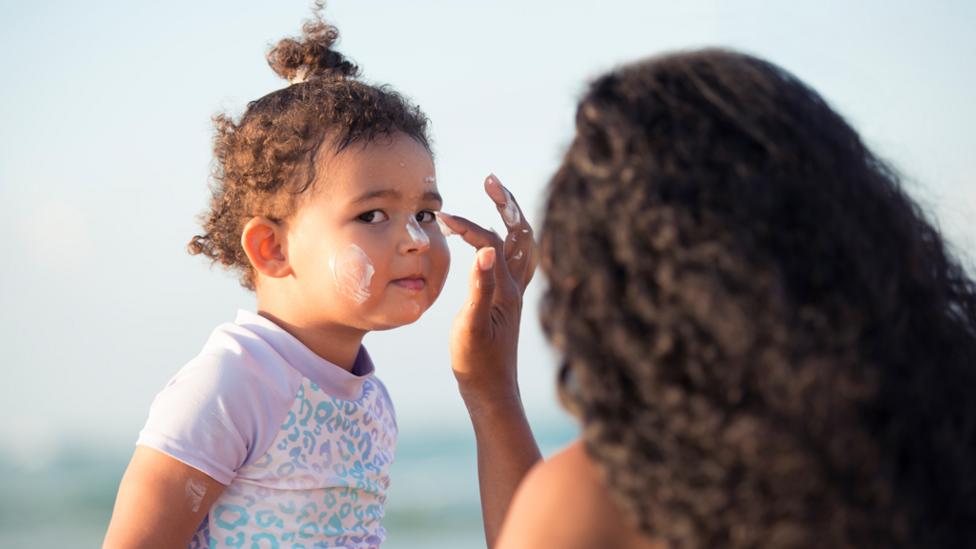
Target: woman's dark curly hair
266	161
766	342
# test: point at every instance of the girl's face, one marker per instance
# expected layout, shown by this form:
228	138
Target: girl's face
364	246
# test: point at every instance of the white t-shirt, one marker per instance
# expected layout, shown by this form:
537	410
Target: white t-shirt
303	445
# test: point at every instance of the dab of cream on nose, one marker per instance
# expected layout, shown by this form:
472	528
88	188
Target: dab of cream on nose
352	272
510	212
195	492
416	232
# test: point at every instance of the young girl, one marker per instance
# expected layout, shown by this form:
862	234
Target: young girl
278	433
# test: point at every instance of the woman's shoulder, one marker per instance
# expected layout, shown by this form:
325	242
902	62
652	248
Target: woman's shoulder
563	503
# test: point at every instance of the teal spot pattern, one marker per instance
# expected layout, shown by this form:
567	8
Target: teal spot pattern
322	483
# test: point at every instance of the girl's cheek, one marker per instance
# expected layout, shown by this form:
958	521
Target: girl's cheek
442	260
352	272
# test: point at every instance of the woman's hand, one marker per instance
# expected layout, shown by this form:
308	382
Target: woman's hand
484	353
484	339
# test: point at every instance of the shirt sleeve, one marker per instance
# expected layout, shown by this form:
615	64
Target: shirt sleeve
210	416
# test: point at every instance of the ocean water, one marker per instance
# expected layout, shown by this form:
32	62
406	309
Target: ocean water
433	501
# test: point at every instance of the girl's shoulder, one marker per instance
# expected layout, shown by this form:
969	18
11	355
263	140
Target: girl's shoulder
235	358
224	406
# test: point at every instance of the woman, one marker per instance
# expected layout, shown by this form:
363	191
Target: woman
765	341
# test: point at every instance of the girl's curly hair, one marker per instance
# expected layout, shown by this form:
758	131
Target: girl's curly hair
766	342
265	161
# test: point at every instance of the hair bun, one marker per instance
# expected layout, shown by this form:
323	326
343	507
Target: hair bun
311	56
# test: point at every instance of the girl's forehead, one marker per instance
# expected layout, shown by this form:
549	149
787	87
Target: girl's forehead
428	195
342	189
401	164
404	187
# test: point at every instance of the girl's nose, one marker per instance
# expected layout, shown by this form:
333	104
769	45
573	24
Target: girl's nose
415	238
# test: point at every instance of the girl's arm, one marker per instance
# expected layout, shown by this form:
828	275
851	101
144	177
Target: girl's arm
484	345
160	504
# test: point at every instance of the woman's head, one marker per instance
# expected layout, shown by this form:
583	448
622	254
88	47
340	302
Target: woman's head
764	338
310	151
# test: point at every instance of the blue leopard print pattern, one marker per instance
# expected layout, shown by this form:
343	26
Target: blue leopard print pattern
322	483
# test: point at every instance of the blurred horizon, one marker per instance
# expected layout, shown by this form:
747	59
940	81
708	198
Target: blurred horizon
105	157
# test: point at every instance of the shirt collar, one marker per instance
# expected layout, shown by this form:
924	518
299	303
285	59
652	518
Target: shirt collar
332	378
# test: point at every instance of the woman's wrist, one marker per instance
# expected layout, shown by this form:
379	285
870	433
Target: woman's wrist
484	402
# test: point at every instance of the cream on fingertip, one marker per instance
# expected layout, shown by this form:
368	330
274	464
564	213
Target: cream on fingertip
445	230
510	212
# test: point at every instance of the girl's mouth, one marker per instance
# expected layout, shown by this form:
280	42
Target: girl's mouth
413	283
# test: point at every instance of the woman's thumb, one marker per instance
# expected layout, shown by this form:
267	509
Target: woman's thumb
482	285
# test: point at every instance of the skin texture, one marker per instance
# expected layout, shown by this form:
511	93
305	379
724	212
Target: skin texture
161	500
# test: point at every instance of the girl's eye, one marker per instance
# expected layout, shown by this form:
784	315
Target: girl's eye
373	216
426	216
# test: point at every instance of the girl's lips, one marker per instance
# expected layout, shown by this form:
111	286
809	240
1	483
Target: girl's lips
411	283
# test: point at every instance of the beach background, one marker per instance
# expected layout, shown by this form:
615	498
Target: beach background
104	163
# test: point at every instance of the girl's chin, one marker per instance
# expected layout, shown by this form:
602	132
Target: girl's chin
407	315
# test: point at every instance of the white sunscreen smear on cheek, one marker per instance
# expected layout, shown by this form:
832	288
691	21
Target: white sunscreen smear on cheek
416	232
352	272
195	492
510	212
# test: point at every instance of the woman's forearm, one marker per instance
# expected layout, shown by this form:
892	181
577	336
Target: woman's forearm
484	351
506	451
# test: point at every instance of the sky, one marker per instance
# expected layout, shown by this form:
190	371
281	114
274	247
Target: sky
105	152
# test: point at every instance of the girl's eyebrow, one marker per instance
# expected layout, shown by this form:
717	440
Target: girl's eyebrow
395	194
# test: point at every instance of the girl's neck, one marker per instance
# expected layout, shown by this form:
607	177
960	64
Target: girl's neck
334	342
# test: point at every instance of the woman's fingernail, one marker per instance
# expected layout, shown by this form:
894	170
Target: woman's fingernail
486	258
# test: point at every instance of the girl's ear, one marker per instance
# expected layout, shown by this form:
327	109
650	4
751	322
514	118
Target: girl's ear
264	243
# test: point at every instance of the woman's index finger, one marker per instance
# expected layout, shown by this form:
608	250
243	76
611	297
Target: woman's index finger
469	231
